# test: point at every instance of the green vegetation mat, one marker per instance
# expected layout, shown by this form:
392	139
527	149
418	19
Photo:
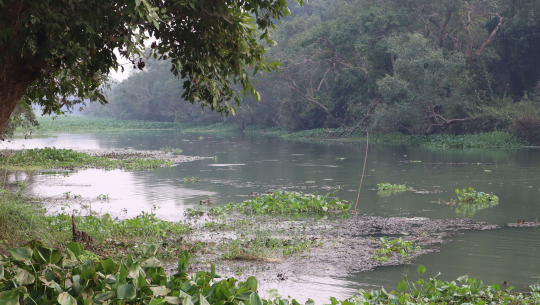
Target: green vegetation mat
496	139
80	123
45	158
282	202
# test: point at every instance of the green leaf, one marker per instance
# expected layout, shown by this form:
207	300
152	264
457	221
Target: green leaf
66	299
495	286
134	271
152	263
187	300
251	283
21	254
51	256
137	3
126	292
255	299
104	296
402	286
149	249
109	266
10	297
1	272
173	300
160	290
273	293
76	248
421	269
156	301
24	277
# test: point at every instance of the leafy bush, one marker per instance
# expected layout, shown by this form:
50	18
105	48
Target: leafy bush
281	202
145	224
527	126
34	274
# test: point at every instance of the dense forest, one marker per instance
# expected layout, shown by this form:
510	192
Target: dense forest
412	66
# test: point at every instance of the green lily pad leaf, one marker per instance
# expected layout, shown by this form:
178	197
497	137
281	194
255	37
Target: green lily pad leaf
109	266
76	248
255	299
24	277
104	296
21	254
66	299
160	290
10	297
126	292
152	263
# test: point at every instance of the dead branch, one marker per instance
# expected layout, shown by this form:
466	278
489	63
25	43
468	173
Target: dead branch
492	36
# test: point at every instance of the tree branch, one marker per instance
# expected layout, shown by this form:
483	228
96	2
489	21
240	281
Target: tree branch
492	36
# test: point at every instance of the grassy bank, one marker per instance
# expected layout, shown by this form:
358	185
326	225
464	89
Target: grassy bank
81	123
496	139
124	264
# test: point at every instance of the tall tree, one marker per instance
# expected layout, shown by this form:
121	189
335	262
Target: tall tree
51	50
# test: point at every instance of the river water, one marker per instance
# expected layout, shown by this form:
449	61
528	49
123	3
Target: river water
248	163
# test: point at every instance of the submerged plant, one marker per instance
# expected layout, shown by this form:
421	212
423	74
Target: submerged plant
403	248
282	202
387	189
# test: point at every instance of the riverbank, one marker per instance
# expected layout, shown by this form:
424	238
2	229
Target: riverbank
240	246
79	123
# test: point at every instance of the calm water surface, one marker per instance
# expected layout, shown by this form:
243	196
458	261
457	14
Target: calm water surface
247	163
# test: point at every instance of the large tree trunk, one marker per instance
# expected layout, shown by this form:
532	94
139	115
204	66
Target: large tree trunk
15	78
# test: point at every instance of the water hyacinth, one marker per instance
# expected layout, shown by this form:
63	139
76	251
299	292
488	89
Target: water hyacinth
282	202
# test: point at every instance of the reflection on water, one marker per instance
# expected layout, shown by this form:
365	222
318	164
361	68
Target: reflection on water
252	164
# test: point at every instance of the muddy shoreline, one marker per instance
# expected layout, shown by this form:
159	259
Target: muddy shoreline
347	245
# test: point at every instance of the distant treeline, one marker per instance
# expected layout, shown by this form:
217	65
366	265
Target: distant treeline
412	66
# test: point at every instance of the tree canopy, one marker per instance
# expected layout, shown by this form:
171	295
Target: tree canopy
55	53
